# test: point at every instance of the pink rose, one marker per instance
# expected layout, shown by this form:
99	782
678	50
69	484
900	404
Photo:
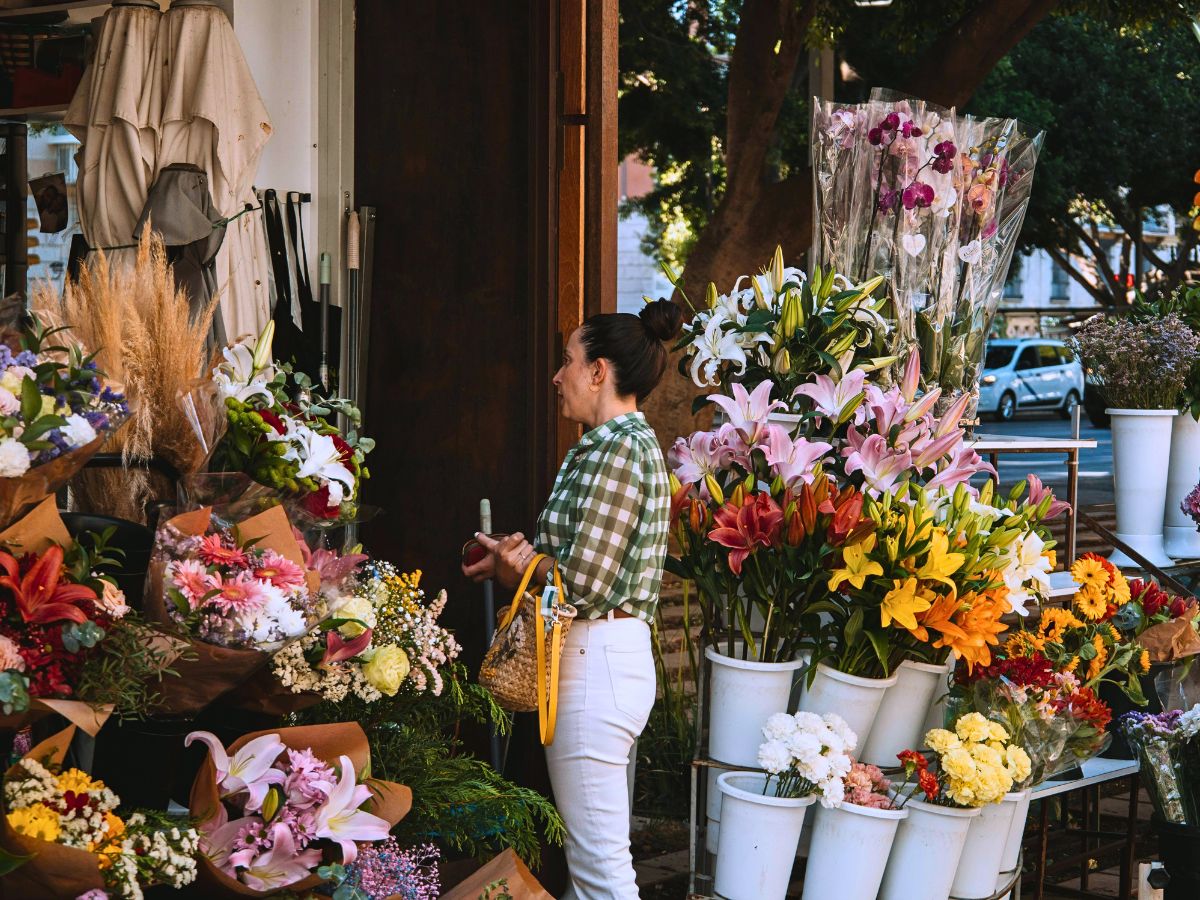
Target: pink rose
112	601
10	655
9	404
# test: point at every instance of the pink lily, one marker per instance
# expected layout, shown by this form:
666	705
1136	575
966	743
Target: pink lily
933	450
832	398
922	406
217	836
880	465
702	453
340	819
952	416
959	470
1038	492
282	865
251	769
887	409
912	376
793	460
339	649
748	412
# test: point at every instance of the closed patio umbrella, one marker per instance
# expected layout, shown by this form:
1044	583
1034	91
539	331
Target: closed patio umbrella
208	112
110	117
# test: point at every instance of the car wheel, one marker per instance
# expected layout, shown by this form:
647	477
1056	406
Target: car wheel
1067	410
1007	408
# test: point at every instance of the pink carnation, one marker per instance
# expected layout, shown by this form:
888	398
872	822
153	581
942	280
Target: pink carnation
866	786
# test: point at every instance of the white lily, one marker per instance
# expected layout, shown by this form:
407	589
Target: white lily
251	769
319	457
713	346
239	377
340	819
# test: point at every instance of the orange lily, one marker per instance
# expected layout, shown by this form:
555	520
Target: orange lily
940	617
41	598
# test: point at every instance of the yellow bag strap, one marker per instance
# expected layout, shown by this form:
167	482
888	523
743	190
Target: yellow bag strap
547	694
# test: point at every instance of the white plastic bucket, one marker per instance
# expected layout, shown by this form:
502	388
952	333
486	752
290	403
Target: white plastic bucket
926	851
759	834
1141	440
979	865
902	713
853	698
743	694
1180	537
1016	832
849	851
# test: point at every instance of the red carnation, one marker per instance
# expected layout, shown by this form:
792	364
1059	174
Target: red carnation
273	420
928	782
914	759
317	503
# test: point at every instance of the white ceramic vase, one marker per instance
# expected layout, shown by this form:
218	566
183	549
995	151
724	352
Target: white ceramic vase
1180	535
759	835
743	694
852	697
980	863
849	851
926	851
1141	441
903	712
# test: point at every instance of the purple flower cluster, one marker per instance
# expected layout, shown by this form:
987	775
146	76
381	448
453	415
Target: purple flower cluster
943	157
1191	504
384	870
918	195
890	127
1163	723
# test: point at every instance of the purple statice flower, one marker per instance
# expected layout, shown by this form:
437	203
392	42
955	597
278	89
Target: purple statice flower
90	365
1163	723
384	870
918	195
6	357
26	358
1191	504
888	200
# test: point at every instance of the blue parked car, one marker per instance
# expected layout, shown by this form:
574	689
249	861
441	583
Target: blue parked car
1029	373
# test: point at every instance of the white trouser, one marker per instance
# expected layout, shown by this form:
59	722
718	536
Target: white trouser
605	691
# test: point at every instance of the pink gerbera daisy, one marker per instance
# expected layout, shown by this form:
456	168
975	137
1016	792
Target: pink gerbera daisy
279	571
216	552
240	595
192	579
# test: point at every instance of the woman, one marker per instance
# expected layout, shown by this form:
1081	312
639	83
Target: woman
606	524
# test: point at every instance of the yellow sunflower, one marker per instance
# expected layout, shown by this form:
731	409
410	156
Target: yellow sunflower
1072	665
1090	602
1023	643
1054	622
1096	666
1116	635
1091	572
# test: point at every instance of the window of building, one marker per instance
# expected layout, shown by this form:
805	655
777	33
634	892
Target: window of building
1013	289
1060	284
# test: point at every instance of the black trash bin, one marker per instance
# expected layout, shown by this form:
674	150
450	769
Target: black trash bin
1179	850
134	540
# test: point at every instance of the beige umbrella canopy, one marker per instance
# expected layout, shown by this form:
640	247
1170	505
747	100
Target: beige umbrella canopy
110	117
206	111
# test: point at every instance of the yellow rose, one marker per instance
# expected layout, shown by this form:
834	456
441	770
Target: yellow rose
941	741
35	821
10	382
356	608
386	669
49	406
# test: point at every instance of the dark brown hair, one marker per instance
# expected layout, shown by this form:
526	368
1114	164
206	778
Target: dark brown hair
633	345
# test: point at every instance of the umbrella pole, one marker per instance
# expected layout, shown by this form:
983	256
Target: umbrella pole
323	369
489	620
348	382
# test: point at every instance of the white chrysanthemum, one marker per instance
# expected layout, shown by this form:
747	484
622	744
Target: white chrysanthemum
78	431
1189	722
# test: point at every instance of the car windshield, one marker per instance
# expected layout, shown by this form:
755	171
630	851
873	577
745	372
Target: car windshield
998	356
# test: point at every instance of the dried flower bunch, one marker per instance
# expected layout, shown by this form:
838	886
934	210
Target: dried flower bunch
1139	363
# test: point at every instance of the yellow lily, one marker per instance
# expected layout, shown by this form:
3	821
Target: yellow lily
902	604
941	564
856	567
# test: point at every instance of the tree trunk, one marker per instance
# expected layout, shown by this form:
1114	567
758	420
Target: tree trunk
755	214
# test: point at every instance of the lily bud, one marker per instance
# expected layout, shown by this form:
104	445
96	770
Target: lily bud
868	287
808	509
710	295
912	376
262	349
675	483
759	300
737	497
669	272
777	269
795	528
777	486
697	517
814	281
782	363
714	490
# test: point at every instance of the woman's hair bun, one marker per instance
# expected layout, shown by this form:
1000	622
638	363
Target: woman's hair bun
662	319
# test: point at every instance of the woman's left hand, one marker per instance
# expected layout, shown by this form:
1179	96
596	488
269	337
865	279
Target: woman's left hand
511	556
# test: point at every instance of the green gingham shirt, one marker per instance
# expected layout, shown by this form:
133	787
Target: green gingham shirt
607	519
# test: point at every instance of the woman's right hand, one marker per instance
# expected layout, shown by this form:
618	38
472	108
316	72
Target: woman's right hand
505	562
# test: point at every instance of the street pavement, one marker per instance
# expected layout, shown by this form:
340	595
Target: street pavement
1095	466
